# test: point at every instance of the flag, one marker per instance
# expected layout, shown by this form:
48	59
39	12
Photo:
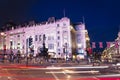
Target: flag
93	45
116	44
100	44
90	50
108	44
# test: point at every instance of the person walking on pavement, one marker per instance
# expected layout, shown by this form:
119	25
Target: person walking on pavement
11	57
99	56
88	57
18	56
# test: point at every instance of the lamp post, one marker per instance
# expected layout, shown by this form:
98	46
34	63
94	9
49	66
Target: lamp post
118	42
44	45
3	35
44	50
65	50
27	45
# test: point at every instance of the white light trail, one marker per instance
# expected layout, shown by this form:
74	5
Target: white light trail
58	68
73	72
109	75
84	67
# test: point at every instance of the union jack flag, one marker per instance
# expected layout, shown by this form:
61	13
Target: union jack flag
108	44
93	45
100	44
116	44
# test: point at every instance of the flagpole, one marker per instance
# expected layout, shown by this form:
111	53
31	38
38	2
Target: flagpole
83	19
119	41
64	12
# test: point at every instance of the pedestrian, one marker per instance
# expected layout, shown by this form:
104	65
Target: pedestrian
11	56
99	56
18	56
88	57
78	59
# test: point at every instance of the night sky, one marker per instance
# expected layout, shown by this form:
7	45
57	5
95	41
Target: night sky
102	17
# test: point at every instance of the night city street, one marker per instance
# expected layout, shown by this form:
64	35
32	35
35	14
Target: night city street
59	39
58	71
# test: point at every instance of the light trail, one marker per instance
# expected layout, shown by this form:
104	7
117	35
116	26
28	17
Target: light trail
110	75
85	67
57	68
73	72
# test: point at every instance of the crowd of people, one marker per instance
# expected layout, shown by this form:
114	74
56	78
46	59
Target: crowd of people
12	57
19	57
89	56
16	58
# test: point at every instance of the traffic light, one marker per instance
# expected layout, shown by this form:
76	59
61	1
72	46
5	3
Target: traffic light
63	50
30	41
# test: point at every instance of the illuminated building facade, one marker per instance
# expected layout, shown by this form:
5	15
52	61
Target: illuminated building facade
59	36
112	53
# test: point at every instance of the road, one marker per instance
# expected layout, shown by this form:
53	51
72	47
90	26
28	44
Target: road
22	72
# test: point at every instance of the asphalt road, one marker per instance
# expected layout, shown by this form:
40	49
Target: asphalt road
21	72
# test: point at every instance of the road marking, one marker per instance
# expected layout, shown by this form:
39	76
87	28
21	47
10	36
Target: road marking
73	72
56	78
84	67
68	76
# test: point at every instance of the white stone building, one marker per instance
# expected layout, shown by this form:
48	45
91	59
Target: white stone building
58	37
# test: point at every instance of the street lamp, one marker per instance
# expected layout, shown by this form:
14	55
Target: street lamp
3	35
44	50
65	50
118	42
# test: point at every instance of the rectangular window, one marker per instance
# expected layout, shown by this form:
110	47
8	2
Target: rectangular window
39	37
52	37
49	38
64	24
58	44
58	25
18	35
58	37
51	46
18	43
78	38
11	43
36	38
65	32
58	32
58	50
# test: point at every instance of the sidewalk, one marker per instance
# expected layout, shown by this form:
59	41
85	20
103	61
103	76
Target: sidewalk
81	64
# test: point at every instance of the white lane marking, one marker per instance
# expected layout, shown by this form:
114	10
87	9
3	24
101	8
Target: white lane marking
109	75
67	76
84	67
73	72
56	78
